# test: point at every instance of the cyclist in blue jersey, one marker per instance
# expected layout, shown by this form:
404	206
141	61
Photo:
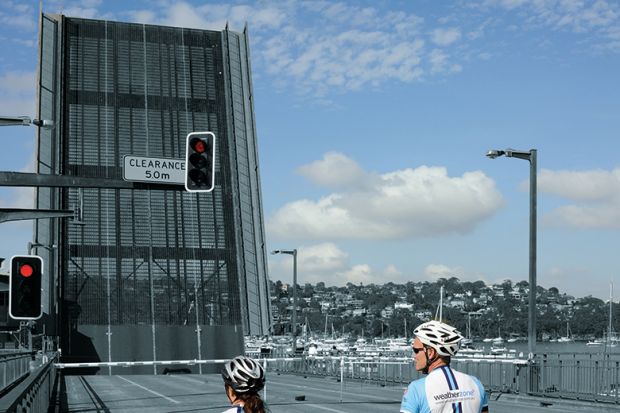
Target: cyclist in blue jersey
442	390
243	379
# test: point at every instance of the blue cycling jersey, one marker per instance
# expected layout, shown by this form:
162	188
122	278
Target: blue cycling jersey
444	390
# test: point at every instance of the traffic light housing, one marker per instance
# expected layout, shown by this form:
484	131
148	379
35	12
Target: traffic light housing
199	162
25	287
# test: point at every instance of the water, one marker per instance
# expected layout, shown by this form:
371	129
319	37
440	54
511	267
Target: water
548	347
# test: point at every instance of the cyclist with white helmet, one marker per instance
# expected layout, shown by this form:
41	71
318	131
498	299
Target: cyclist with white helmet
442	389
243	379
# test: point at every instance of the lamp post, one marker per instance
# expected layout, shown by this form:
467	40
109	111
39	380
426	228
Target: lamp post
294	321
531	157
25	121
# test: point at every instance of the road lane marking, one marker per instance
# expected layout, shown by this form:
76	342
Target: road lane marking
149	390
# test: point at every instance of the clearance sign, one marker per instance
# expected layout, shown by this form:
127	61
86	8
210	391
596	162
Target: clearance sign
156	170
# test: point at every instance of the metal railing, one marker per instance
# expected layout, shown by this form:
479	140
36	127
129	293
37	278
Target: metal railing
593	377
13	367
34	392
578	376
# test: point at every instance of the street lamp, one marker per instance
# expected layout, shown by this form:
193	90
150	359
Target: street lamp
25	121
294	321
33	245
531	157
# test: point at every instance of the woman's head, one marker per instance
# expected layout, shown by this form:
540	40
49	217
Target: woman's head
244	375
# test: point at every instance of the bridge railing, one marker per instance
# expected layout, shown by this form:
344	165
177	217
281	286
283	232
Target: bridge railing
13	367
34	392
594	377
561	375
578	376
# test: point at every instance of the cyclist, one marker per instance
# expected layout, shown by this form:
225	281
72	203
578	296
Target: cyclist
243	379
442	389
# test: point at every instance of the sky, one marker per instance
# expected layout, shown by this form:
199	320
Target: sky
373	121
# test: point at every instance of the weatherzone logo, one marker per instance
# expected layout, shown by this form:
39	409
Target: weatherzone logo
454	395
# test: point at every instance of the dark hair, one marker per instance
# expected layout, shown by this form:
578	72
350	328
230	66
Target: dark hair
252	403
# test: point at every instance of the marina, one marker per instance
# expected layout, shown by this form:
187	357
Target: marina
559	370
280	346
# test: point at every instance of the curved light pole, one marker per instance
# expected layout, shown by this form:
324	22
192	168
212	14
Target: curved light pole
531	157
294	321
25	121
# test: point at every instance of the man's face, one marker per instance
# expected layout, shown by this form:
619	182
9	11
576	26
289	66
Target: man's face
419	358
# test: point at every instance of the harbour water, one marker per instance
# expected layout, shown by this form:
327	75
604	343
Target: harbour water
553	347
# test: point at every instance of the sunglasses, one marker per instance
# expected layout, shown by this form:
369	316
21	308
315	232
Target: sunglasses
417	350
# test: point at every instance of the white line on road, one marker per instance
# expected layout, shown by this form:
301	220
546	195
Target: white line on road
149	390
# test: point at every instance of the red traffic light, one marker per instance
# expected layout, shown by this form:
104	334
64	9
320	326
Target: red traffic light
25	287
198	145
26	270
200	162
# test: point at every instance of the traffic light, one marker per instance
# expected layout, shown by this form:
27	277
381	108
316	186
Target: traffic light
25	287
199	162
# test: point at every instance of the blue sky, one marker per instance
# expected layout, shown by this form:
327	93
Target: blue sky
373	120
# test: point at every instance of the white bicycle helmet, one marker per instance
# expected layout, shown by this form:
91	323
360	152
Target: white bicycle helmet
244	375
440	336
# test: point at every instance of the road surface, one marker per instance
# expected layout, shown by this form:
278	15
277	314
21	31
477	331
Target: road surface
205	393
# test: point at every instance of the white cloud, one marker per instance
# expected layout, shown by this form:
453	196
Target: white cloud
436	271
327	262
17	94
433	272
440	63
596	192
13	106
19	15
18	198
420	202
357	47
349	59
605	216
365	274
595	185
576	16
215	16
15	83
319	262
513	4
322	258
143	16
445	37
334	171
20	21
360	47
570	280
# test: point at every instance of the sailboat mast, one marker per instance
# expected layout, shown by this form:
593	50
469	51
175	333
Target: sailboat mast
440	307
325	333
611	297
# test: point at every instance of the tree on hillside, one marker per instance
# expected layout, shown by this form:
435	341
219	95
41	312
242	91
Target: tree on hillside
590	318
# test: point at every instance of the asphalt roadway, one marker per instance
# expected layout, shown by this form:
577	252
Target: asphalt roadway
205	393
